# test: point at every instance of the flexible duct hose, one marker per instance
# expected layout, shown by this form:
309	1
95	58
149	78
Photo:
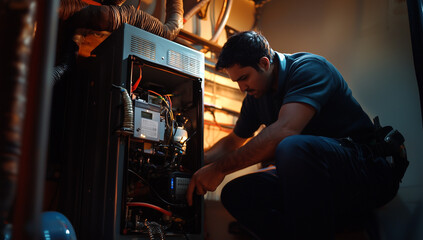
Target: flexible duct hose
128	112
128	116
110	18
67	62
17	21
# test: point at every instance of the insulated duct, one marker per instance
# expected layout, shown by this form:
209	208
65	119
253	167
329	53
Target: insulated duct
77	14
110	17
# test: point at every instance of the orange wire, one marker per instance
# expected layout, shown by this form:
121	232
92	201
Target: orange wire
142	204
134	87
170	101
155	93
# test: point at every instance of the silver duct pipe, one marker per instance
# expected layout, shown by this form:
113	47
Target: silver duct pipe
227	11
194	10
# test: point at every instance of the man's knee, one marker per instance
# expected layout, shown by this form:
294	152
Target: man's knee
293	147
298	152
288	146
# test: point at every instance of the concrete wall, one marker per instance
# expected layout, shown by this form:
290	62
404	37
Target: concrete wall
369	42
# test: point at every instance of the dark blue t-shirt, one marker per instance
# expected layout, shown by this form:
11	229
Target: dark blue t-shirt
310	79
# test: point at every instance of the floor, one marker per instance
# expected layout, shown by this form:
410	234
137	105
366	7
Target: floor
217	220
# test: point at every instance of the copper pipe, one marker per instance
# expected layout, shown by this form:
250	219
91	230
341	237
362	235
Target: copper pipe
223	22
194	10
221	14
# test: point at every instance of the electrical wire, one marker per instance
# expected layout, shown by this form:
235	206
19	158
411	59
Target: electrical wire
170	112
142	204
170	101
135	86
216	123
222	128
159	95
223	125
168	104
139	4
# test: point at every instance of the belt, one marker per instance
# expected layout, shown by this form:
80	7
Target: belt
392	148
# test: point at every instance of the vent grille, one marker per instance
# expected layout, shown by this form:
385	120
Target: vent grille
183	62
143	47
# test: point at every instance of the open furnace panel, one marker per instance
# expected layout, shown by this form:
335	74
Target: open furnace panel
143	139
163	152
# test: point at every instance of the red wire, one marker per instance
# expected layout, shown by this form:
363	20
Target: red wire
141	204
134	87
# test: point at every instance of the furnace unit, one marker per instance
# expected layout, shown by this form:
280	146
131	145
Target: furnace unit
142	112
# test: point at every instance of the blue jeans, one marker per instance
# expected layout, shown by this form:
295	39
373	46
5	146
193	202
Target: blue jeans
317	180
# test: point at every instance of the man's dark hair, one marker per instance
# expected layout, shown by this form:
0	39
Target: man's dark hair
245	49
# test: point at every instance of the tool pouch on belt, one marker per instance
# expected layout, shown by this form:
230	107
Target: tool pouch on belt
389	143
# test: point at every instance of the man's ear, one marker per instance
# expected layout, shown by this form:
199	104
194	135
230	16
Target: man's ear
264	63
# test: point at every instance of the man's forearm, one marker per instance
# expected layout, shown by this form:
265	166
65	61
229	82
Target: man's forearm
260	148
222	148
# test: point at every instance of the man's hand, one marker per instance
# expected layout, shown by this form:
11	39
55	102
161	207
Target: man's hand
205	179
